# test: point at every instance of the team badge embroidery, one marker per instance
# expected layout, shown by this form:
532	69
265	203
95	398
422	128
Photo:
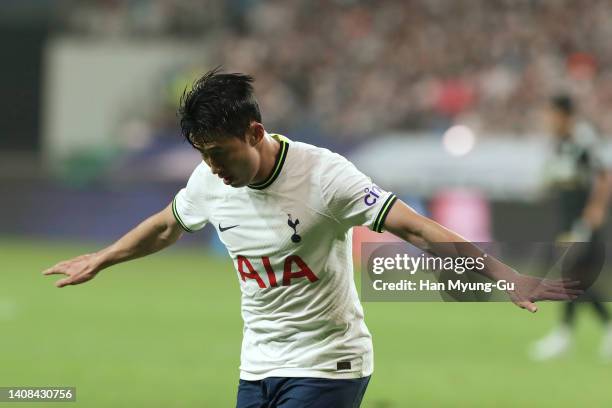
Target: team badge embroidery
293	224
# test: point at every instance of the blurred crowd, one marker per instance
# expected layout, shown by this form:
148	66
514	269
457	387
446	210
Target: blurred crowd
354	68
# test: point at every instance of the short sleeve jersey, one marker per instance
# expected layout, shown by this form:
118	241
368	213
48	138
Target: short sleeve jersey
570	170
290	242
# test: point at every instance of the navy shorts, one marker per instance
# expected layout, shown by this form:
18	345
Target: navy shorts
301	392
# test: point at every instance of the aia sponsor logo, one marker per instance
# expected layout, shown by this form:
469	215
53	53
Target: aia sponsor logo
373	193
247	271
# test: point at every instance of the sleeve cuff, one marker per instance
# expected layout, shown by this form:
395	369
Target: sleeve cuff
178	218
382	214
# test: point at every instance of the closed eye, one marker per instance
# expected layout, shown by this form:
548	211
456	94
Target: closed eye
212	153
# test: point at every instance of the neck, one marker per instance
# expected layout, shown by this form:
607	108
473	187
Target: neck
269	151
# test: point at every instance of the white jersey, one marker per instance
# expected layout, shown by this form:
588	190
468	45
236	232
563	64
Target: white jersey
289	238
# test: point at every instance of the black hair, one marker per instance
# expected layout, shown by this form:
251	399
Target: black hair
563	103
217	105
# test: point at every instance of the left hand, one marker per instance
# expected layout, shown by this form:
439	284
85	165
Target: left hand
528	290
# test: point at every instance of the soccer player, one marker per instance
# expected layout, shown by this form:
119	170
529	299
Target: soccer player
284	210
580	183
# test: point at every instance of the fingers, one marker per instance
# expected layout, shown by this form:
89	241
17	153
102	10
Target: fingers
571	284
55	270
564	283
563	289
576	292
63	282
530	306
559	289
73	280
61	268
557	296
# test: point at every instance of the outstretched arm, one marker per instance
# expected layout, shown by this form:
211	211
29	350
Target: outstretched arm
430	236
597	204
153	234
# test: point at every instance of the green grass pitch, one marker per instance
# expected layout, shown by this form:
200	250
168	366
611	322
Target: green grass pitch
165	331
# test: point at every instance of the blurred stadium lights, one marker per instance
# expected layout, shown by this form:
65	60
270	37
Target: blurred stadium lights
459	140
502	167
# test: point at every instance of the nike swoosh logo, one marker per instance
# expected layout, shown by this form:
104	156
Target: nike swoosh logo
226	228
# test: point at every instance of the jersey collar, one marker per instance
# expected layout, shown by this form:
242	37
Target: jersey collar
278	164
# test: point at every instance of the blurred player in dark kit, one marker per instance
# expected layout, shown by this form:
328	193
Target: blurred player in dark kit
580	180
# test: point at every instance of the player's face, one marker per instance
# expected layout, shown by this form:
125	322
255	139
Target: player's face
233	160
559	122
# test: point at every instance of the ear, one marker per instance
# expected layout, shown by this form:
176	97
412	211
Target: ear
255	134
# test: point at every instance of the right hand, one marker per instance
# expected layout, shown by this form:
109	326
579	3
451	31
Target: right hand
77	270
